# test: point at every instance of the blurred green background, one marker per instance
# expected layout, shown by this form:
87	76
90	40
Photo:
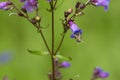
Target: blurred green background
100	46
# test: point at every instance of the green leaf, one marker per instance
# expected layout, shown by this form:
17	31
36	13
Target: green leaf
63	57
37	52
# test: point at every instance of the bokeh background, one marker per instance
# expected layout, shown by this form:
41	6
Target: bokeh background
100	46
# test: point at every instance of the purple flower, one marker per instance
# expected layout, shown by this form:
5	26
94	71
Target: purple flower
4	5
99	73
65	64
76	32
103	3
30	5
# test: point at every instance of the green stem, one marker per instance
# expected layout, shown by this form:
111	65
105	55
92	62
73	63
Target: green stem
59	46
42	35
55	4
15	6
44	40
53	31
52	55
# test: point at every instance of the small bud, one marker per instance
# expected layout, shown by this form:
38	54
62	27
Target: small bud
37	18
77	5
24	10
70	10
65	64
20	14
82	6
79	13
10	3
34	21
66	14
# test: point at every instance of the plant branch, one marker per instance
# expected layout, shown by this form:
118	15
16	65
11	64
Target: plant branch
44	39
42	35
59	46
55	4
86	4
37	26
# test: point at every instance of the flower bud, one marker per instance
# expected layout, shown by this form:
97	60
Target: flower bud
82	6
65	64
77	5
24	10
37	18
70	10
34	21
66	14
20	14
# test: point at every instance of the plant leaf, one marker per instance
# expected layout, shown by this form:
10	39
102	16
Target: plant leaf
35	52
63	57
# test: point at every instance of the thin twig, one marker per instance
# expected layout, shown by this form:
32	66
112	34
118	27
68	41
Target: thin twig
55	4
44	39
60	4
61	41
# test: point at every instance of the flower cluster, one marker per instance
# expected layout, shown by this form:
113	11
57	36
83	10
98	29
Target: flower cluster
68	22
99	73
70	15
